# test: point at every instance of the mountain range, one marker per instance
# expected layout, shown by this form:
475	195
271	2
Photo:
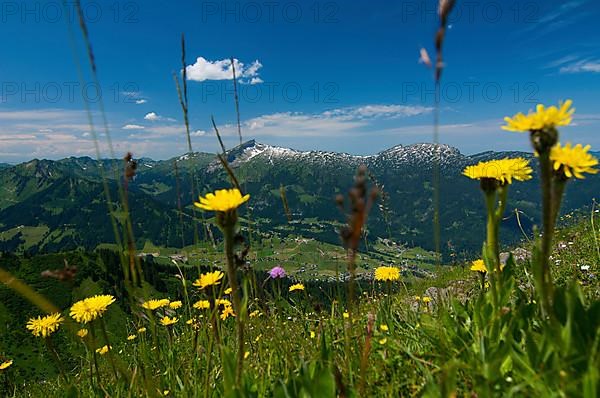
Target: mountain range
48	205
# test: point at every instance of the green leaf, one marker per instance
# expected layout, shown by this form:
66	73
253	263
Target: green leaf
71	392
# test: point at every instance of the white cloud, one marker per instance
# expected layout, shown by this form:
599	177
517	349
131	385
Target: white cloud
133	127
337	122
589	66
298	124
60	133
131	94
35	115
561	61
252	70
204	69
170	132
152	116
555	18
134	97
381	111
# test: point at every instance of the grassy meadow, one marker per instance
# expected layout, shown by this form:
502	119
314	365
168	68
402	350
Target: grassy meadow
295	317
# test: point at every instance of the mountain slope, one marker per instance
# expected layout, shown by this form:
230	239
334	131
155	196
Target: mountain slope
68	195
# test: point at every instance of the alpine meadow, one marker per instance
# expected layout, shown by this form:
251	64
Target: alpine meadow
300	199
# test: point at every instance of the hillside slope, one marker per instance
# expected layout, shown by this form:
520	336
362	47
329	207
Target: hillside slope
68	195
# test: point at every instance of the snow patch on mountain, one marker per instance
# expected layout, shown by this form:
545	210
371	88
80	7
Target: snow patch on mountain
422	155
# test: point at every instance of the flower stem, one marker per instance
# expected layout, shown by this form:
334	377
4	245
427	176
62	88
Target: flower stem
228	231
56	358
110	355
548	218
93	349
558	188
492	242
502	198
89	356
209	351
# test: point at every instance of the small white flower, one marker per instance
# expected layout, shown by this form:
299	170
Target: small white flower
584	267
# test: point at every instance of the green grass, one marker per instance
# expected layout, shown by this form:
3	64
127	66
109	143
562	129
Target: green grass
394	344
286	333
307	258
31	236
577	252
155	189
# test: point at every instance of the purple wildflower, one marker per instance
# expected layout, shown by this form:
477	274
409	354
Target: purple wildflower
277	272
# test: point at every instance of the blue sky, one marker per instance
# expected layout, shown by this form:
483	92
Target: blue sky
323	75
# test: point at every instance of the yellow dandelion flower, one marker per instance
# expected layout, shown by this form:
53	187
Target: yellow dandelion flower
154	304
387	274
132	337
312	334
142	330
490	169
227	311
201	304
175	304
518	122
297	286
383	341
103	350
246	354
45	326
209	279
166	392
479	266
82	333
194	323
384	328
228	290
426	299
254	313
552	116
516	168
257	338
6	364
166	321
91	308
223	302
222	200
573	161
346	315
417	298
542	118
503	170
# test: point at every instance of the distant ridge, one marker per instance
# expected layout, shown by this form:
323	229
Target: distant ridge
252	148
65	198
